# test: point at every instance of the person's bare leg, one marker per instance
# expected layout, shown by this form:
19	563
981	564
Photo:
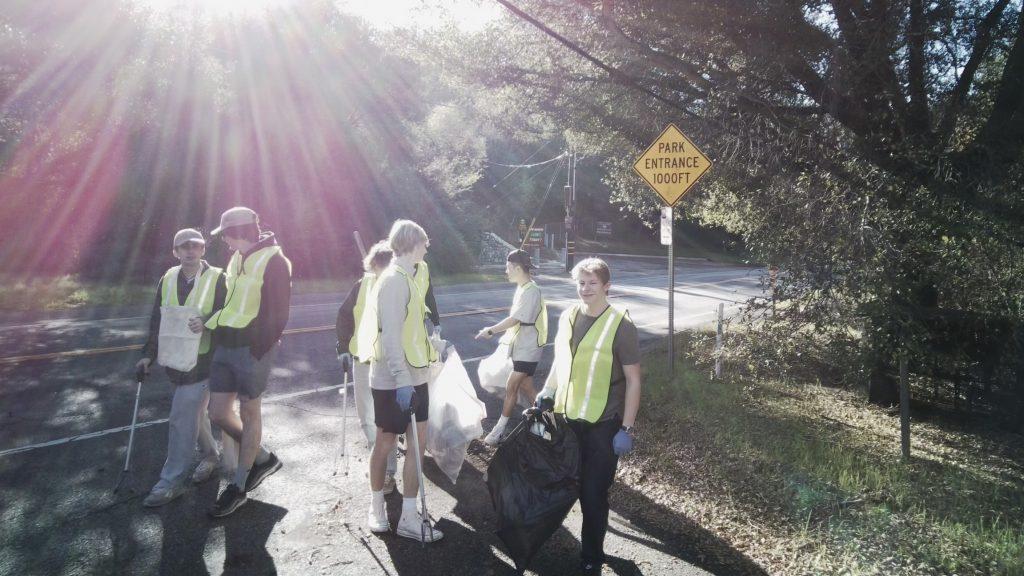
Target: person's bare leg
252	432
382	446
222	412
518	383
527	389
410	483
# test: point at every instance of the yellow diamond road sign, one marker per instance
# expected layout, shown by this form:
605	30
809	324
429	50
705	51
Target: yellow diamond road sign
672	165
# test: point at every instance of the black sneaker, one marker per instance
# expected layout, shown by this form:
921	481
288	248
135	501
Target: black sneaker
230	499
259	472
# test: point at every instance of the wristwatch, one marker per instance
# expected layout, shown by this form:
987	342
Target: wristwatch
628	429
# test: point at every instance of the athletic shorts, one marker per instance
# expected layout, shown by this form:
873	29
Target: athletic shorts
524	367
237	370
390	418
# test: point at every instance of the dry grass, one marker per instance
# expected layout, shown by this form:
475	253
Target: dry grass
807	479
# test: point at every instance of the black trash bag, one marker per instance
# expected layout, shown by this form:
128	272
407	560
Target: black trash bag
534	482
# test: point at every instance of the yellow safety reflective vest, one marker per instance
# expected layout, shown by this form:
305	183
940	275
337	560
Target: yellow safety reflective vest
540	323
418	351
365	286
244	280
201	296
584	375
422	278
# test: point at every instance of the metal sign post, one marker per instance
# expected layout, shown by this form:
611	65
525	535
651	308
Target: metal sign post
667	240
671	165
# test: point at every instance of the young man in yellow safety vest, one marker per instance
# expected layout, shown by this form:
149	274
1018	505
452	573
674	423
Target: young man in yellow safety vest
191	283
394	332
350	314
526	333
595	384
247	332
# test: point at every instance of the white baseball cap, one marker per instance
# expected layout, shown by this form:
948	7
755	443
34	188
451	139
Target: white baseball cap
188	235
237	216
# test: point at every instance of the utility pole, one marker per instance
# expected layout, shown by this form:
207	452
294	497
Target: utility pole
570	213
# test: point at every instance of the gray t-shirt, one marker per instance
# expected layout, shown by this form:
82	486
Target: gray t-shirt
625	351
526	308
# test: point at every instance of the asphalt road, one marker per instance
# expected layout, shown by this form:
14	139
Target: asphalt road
62	446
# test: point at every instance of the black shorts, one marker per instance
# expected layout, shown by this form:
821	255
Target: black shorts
390	418
524	367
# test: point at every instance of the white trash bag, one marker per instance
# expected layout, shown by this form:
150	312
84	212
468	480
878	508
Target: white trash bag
178	347
494	370
455	416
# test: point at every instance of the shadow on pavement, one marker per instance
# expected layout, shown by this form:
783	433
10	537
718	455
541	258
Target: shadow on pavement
663	530
245	539
185	529
675	534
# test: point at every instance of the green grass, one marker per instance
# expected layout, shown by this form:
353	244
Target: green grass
68	292
837	476
465	278
684	248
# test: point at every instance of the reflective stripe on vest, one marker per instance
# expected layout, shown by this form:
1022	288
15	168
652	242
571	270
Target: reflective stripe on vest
244	279
418	351
357	312
540	322
201	295
584	376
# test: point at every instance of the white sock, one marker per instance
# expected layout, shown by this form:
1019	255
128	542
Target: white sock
502	422
377	499
262	456
409	506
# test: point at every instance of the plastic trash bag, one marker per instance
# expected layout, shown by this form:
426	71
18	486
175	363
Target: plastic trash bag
178	347
494	370
455	416
493	373
534	482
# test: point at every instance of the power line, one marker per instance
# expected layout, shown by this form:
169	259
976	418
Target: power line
615	73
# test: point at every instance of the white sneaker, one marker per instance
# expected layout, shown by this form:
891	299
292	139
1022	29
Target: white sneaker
412	526
205	469
389	484
160	497
377	520
495	437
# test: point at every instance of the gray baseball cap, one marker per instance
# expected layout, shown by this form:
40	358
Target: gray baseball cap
237	216
188	235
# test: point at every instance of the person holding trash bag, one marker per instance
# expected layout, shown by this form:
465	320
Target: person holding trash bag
247	332
526	332
197	285
349	316
394	332
595	383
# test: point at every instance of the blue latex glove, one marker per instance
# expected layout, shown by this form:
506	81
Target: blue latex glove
404	398
622	444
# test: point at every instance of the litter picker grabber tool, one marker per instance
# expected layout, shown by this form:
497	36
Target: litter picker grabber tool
125	479
425	524
344	420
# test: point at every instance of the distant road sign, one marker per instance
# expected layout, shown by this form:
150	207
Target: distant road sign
672	165
603	228
535	238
